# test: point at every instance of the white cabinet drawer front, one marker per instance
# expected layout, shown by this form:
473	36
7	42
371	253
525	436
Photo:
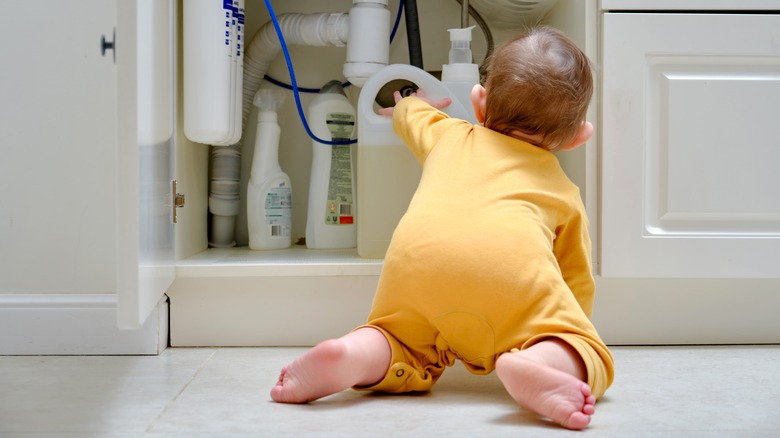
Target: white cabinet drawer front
689	146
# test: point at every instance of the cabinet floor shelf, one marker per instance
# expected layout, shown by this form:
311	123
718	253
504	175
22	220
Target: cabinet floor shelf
296	261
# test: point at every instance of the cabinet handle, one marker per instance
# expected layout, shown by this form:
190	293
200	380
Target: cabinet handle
108	45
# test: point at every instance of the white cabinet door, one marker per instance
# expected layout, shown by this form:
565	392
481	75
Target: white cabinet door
57	135
690	150
145	247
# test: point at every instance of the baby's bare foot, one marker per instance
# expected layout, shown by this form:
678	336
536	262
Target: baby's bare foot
322	371
546	391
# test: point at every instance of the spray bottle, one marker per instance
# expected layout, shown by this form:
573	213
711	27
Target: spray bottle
269	193
387	172
331	218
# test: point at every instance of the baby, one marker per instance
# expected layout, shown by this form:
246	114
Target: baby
491	262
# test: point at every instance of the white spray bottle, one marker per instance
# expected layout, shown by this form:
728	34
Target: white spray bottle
269	194
331	219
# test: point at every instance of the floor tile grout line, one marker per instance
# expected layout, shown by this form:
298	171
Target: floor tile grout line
170	404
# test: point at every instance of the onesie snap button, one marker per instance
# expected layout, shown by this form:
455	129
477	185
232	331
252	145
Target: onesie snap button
399	373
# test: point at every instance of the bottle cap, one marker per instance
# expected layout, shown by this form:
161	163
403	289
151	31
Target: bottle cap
268	100
460	34
334	87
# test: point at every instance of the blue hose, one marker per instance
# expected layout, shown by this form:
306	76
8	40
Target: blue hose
295	82
281	84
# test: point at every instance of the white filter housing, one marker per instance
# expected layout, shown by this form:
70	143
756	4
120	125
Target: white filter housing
213	66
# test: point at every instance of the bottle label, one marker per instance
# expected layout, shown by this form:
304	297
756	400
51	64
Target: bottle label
278	210
339	209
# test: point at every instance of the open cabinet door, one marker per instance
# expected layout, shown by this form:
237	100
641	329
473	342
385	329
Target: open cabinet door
144	203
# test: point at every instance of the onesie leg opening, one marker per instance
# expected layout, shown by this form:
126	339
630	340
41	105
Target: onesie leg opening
406	373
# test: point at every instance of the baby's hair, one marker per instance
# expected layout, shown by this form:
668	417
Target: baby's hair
540	83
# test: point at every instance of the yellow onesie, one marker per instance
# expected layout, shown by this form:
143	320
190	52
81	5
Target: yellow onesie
492	254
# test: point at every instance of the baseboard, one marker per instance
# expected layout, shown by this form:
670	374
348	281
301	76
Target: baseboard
267	311
301	310
75	324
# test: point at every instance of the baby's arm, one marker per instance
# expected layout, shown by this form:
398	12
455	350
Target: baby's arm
436	103
572	249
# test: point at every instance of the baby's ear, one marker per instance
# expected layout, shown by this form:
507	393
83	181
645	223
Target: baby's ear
583	135
479	102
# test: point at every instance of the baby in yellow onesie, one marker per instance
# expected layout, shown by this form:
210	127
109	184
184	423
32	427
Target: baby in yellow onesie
491	262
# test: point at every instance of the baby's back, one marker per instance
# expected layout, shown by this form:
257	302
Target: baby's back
486	206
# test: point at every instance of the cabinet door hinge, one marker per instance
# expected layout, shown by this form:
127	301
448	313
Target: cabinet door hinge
178	201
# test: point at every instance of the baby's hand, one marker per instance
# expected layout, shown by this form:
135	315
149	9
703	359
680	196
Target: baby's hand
436	103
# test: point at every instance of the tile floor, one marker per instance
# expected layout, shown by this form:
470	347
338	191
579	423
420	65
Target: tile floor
658	392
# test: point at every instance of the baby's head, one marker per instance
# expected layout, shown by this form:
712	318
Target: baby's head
538	83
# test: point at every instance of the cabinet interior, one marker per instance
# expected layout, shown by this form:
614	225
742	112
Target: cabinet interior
314	67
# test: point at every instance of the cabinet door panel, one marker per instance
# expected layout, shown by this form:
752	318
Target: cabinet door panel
58	128
145	265
690	156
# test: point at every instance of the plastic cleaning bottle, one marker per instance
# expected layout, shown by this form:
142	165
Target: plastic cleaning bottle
387	172
269	193
330	222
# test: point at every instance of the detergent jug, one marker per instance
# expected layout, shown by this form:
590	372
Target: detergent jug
387	172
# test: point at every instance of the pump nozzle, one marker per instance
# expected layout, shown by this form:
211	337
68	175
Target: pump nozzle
460	45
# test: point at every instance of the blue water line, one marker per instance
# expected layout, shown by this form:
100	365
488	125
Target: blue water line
295	82
281	84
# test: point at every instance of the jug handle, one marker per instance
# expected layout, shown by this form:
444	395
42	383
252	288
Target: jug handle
432	86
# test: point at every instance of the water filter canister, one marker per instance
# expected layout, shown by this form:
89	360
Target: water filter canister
212	97
237	70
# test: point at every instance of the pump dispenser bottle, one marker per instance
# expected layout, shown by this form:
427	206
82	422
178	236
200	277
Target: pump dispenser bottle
269	193
461	74
331	218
